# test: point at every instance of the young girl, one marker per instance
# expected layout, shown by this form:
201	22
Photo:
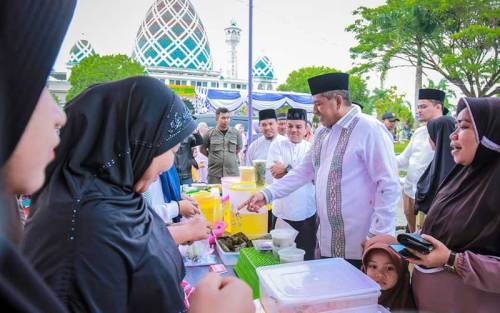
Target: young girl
390	271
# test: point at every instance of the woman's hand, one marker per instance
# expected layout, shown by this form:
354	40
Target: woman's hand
193	229
188	208
215	294
198	228
438	256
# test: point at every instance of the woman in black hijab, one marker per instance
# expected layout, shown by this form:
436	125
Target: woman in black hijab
31	33
91	235
439	130
463	223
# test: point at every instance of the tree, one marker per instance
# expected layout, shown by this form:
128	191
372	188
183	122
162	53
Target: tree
459	39
96	69
388	100
297	82
444	86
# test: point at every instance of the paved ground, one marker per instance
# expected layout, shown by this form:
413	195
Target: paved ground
400	216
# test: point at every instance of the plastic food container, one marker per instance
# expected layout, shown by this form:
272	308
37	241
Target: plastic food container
275	250
247	174
263	244
283	237
327	285
290	255
228	258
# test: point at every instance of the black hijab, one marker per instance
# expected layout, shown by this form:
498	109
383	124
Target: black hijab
31	33
113	132
465	214
439	130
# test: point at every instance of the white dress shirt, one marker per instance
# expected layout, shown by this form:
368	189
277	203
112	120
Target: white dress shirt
300	204
154	197
415	159
357	189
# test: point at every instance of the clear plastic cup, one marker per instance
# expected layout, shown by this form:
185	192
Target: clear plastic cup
290	255
283	237
260	172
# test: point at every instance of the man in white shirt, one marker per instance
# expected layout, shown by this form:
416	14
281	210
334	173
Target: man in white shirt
259	148
354	169
298	209
281	123
419	154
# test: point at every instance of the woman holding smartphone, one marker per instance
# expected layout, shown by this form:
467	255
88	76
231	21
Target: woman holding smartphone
462	272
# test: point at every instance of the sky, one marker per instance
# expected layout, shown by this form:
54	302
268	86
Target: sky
292	33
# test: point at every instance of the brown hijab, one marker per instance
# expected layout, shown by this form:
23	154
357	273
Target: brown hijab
400	296
465	214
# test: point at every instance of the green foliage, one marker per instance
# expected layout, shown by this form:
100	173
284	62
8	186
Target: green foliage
96	69
284	109
457	38
399	147
297	82
183	91
388	100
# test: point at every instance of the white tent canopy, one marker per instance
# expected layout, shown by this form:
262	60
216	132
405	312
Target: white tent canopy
209	99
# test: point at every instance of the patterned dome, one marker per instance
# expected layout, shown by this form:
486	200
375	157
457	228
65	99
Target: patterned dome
80	50
263	68
172	35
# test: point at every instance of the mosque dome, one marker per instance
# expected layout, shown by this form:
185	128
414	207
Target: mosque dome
172	35
80	50
263	68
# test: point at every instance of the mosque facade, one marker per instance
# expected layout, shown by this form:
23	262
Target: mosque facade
172	45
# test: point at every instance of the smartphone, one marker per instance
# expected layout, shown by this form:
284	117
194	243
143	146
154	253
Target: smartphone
416	242
402	251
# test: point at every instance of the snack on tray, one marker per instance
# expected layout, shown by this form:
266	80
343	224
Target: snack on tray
234	243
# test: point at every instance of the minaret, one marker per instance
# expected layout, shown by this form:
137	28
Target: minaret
232	39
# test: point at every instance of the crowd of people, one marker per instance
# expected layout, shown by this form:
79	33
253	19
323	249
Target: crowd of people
106	215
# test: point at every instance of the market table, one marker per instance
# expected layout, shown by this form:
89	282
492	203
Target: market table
195	273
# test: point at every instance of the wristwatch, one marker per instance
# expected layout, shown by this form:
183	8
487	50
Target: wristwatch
288	168
450	264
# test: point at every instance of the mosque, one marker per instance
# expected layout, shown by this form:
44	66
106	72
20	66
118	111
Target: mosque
172	45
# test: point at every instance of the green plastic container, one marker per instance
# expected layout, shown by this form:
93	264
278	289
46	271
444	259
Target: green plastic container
248	261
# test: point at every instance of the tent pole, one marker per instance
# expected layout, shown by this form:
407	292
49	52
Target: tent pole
250	107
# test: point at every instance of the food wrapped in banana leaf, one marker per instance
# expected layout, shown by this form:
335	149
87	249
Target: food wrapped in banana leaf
235	242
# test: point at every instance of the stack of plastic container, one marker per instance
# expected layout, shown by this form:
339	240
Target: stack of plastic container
328	285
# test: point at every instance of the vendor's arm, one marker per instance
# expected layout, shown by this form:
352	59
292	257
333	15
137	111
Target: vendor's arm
381	164
196	228
479	271
167	211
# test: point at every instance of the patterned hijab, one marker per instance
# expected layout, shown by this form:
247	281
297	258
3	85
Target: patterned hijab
114	130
